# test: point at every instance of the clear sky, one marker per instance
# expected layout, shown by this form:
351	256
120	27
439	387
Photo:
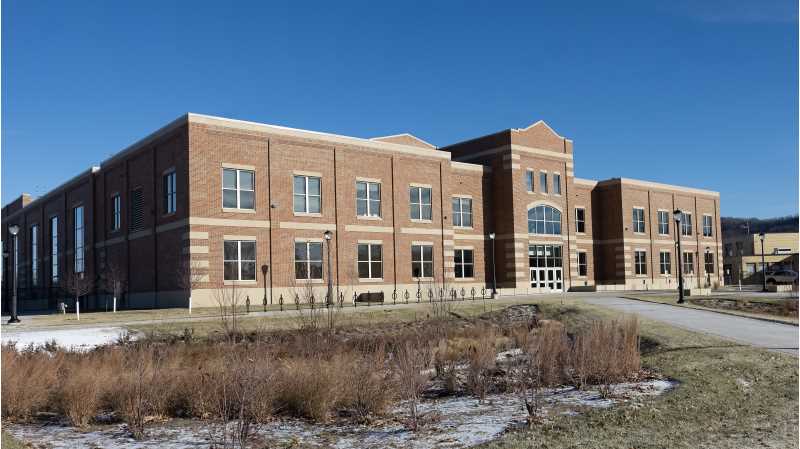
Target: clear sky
703	94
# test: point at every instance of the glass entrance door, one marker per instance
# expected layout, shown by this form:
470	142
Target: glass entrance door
546	272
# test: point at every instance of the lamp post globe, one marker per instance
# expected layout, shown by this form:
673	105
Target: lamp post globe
14	230
677	215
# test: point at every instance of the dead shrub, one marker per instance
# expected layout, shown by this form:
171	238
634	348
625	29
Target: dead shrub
411	361
481	363
28	380
367	387
307	388
140	390
81	389
607	352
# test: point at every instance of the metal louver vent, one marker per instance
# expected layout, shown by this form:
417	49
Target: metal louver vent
137	210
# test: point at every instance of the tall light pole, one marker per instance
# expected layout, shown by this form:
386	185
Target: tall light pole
264	271
706	264
13	230
328	236
677	215
761	236
494	272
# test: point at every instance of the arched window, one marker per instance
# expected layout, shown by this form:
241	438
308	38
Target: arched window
544	220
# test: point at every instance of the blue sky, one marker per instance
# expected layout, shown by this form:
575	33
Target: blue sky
703	94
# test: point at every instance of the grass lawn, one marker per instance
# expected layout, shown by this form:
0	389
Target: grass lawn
748	306
9	442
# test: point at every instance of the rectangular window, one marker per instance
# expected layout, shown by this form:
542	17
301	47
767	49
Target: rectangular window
35	255
707	225
137	210
640	262
543	182
79	240
582	264
239	260
556	184
54	249
686	223
422	261
308	260
307	194
688	263
580	220
663	222
368	199
462	212
464	263
709	262
420	199
169	193
238	188
664	262
116	212
370	261
529	180
638	220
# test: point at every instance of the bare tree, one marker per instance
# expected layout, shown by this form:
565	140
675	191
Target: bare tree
77	285
228	299
114	281
309	304
189	277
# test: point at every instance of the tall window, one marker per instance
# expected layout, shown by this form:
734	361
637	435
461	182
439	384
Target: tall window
543	182
240	260
529	180
640	262
663	222
307	194
688	263
116	212
420	199
238	188
464	263
308	260
638	220
54	249
462	212
370	261
708	222
664	262
686	223
79	240
580	220
422	261
368	199
709	262
169	193
556	184
544	220
582	263
35	255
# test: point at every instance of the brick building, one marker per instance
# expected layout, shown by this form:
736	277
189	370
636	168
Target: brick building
225	199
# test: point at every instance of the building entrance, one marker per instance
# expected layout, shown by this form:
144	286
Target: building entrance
546	272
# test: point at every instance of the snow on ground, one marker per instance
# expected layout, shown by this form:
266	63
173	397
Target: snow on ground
74	339
453	422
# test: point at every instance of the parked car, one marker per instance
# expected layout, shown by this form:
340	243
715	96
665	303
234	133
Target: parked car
781	277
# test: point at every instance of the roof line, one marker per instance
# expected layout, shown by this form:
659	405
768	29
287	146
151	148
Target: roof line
405	134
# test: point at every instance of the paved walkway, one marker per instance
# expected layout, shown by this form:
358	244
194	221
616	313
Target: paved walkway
774	336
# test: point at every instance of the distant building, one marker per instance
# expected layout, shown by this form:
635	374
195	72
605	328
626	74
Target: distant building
742	255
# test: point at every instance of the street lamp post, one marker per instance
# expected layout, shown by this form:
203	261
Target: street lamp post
677	215
761	236
706	264
264	271
328	236
13	230
494	271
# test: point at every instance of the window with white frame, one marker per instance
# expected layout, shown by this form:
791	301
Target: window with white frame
580	220
665	262
368	199
240	260
663	222
238	188
638	220
544	219
422	261
462	212
640	262
464	263
307	194
79	239
686	223
556	184
420	201
529	180
308	260
543	182
116	212
54	249
582	263
708	224
688	263
169	193
709	262
34	255
370	261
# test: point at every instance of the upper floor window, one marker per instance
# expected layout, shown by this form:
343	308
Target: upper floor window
308	260
307	194
79	240
686	223
529	180
370	261
708	224
556	184
464	263
239	260
35	255
543	182
169	193
580	220
422	261
638	220
54	249
640	262
368	199
420	199
544	220
462	212
116	212
238	188
663	222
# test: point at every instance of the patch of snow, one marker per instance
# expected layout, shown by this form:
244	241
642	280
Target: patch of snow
72	339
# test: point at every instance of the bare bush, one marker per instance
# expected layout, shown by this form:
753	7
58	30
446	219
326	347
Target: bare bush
367	386
81	390
411	360
189	276
140	389
308	387
28	379
481	363
228	299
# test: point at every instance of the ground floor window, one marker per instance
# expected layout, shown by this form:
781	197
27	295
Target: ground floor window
464	263
370	257
665	263
422	261
582	266
640	262
709	262
308	260
240	260
688	263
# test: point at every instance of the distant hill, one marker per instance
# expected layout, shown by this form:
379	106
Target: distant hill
736	226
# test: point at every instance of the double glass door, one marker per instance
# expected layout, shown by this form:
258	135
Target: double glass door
546	270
